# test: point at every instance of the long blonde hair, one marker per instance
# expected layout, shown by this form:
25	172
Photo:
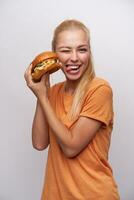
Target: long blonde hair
88	75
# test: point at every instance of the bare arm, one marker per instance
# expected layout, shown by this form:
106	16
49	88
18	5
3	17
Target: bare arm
71	141
40	135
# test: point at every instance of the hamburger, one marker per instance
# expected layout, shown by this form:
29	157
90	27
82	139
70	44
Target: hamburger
43	63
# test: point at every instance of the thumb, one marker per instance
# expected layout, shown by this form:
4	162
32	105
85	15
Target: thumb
45	79
48	79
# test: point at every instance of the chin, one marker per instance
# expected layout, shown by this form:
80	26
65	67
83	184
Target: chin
73	77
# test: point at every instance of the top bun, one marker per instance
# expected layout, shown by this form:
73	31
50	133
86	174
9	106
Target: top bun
43	56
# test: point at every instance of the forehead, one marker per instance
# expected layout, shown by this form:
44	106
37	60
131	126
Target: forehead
73	37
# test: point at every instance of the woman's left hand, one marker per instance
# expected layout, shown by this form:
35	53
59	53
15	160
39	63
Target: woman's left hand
38	88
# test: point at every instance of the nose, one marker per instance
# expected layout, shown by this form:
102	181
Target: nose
74	56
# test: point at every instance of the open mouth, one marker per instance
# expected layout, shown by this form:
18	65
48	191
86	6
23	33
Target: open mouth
71	68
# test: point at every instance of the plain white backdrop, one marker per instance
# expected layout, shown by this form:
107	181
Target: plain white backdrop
26	29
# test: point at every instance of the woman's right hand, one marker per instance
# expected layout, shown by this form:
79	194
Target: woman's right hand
38	88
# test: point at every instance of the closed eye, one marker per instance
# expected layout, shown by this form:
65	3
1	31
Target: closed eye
65	50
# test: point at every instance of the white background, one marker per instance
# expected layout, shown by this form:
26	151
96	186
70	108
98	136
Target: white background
26	29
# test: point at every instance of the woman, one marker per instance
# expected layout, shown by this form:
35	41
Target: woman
75	119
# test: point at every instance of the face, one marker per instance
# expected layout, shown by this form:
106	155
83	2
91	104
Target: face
72	48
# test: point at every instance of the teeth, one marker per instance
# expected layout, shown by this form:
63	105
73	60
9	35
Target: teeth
73	66
76	67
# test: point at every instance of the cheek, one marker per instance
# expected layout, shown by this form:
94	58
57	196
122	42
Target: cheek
85	59
63	58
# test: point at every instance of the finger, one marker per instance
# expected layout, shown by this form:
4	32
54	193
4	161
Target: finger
47	76
48	79
45	79
28	76
27	70
30	69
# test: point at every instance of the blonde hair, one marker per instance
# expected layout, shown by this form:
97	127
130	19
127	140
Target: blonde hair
88	75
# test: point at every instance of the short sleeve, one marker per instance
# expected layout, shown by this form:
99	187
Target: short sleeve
99	105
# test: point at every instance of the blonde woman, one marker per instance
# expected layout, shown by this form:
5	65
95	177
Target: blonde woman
75	119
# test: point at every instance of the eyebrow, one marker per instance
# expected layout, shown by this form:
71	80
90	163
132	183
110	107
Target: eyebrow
68	47
83	45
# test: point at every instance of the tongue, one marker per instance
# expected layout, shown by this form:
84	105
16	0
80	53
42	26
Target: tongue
71	68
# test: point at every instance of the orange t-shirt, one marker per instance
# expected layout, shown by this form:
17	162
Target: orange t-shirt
88	176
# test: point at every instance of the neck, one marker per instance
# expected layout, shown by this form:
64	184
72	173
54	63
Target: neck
70	86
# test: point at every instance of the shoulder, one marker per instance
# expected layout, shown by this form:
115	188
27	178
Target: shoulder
98	101
97	82
56	88
99	85
57	85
